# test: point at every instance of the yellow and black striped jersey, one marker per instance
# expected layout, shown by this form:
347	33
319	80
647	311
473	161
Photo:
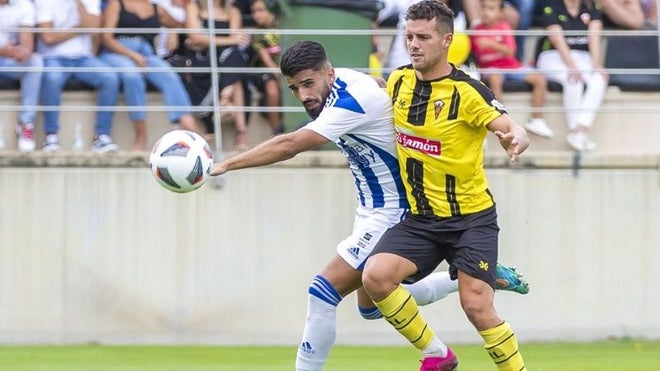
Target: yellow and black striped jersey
440	128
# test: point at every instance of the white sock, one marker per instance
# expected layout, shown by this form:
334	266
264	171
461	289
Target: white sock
320	328
436	349
432	288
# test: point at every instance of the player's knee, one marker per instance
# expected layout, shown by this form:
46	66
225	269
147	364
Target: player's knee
370	313
322	289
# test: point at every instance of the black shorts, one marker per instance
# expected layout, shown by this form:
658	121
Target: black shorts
468	243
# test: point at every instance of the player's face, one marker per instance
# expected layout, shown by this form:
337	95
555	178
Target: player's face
427	46
312	88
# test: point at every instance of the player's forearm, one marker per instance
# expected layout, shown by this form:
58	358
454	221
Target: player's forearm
274	150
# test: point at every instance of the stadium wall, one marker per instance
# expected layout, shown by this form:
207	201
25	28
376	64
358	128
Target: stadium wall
92	250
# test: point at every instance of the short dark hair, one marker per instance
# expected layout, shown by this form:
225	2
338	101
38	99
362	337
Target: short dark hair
303	55
430	9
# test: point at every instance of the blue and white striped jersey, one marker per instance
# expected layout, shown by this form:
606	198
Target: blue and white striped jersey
357	117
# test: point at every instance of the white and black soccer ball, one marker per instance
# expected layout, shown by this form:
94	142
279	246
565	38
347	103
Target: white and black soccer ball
181	161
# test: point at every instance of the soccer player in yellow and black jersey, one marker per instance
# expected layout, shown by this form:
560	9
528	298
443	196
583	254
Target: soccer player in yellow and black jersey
441	118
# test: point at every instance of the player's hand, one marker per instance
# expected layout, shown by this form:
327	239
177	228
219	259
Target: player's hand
510	143
218	168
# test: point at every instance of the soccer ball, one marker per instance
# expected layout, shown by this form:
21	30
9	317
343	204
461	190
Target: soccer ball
181	161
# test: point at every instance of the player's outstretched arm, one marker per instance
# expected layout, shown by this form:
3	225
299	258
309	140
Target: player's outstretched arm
513	137
276	149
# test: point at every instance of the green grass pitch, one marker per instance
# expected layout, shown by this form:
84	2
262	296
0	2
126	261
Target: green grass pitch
601	356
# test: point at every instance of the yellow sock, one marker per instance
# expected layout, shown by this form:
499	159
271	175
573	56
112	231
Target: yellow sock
502	346
401	311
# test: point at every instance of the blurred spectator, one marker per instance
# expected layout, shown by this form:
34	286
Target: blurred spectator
465	12
519	14
64	47
575	61
230	47
16	50
650	9
265	52
497	50
127	50
626	14
243	7
173	16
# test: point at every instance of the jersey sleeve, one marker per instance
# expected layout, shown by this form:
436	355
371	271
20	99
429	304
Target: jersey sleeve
334	122
482	106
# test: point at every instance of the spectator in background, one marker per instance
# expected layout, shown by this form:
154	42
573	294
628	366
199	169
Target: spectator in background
650	9
243	7
576	63
63	46
230	50
16	50
497	50
519	14
265	52
130	50
173	16
626	14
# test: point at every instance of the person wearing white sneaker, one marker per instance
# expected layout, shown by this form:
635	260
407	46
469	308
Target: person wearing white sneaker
538	126
103	144
51	144
575	61
496	50
16	50
73	54
579	140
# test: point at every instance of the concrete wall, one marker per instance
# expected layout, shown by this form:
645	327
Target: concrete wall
103	254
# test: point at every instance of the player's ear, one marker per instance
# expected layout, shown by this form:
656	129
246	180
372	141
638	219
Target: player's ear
330	73
447	39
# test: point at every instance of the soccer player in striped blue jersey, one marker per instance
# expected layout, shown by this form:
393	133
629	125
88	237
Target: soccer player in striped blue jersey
350	109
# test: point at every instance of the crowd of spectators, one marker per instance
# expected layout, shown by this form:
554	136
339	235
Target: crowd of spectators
125	64
574	62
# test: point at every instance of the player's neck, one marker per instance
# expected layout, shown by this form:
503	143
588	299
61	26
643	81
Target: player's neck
441	70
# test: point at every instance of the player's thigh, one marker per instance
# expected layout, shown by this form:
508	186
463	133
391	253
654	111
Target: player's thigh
475	252
412	241
368	228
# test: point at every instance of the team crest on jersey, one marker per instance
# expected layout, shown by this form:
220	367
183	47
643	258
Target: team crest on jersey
430	147
401	103
437	107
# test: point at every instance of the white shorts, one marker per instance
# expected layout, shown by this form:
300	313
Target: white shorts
369	226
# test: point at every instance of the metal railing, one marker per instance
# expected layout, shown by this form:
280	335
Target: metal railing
214	69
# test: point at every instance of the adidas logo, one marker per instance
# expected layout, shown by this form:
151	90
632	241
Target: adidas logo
354	251
307	347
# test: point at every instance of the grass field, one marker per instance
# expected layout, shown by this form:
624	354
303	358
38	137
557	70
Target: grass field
603	356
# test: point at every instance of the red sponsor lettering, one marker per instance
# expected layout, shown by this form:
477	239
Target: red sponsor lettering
431	147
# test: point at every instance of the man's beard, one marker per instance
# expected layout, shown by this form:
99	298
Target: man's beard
315	112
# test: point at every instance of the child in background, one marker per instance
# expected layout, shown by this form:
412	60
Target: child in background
496	49
265	52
